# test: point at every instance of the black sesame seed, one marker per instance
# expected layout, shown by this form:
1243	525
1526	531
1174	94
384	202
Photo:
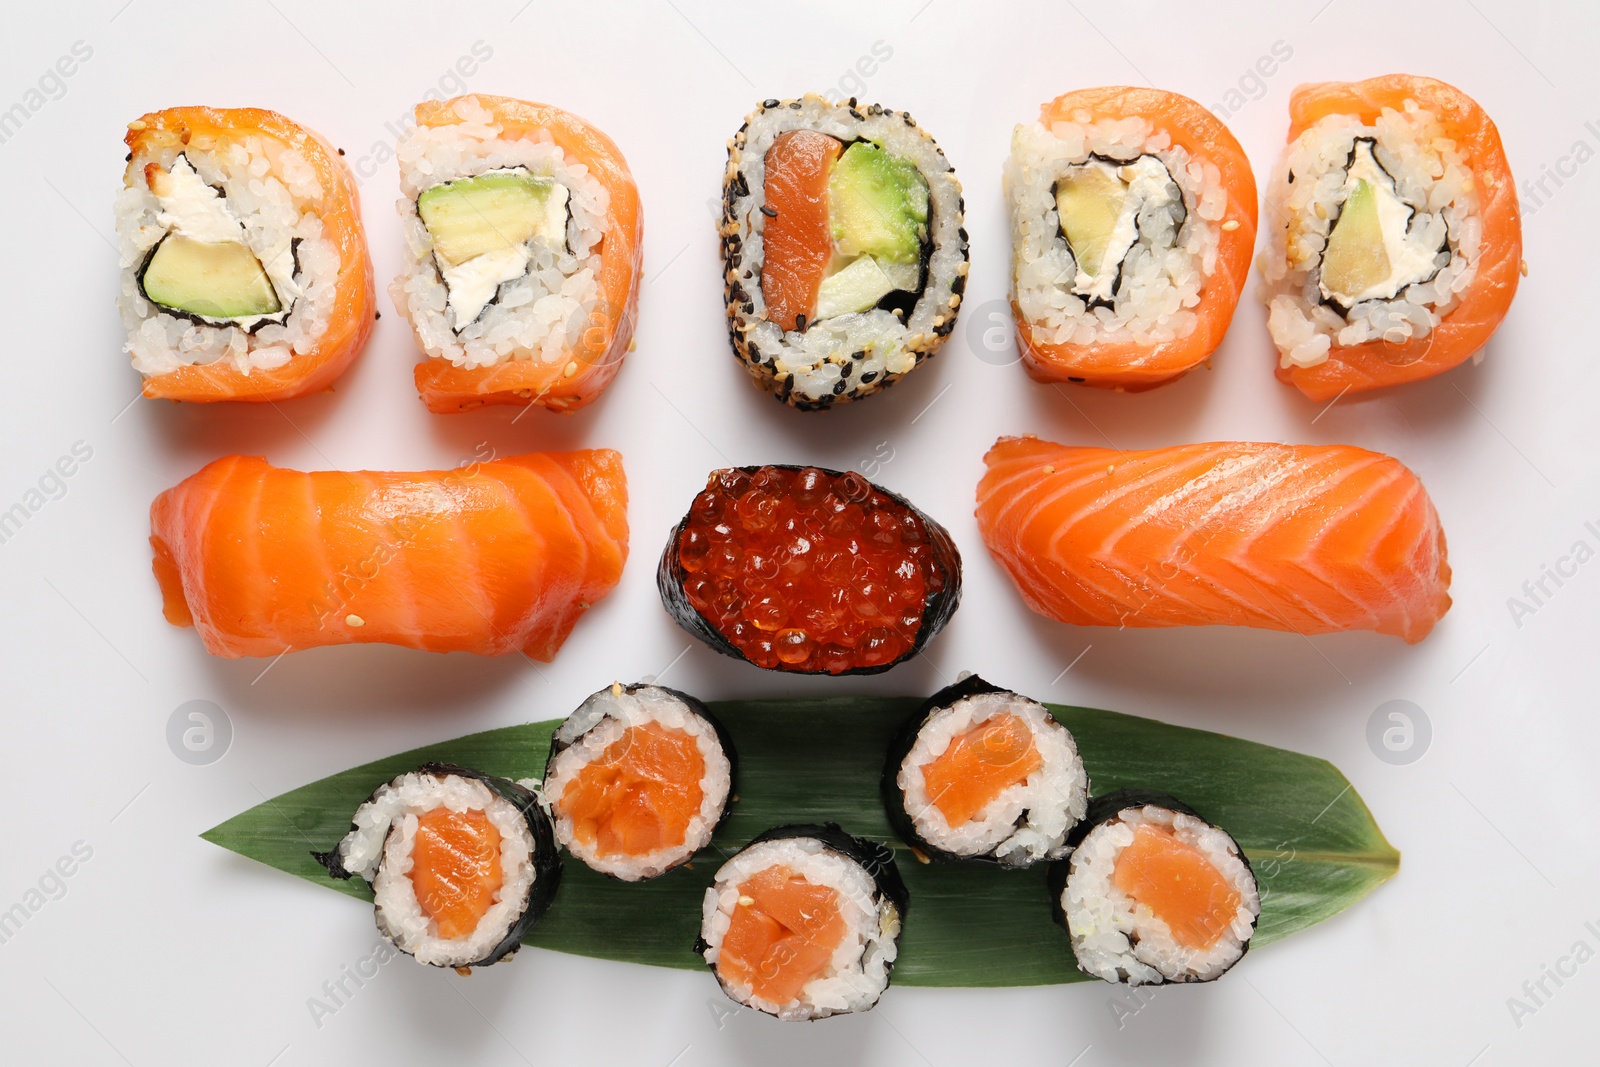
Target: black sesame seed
869	377
838	386
844	371
769	102
800	321
1080	381
769	212
795	104
339	150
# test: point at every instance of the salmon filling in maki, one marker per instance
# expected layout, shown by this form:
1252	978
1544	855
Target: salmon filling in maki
638	779
808	570
843	245
462	865
982	773
804	922
1153	893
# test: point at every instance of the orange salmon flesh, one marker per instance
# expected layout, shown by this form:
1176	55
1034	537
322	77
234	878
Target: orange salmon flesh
640	794
796	240
783	934
455	868
1178	884
979	765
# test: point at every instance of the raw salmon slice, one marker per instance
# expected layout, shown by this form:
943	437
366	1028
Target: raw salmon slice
782	935
796	241
455	868
978	766
1179	884
1306	538
640	794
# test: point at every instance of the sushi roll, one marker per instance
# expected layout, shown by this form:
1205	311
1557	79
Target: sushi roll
804	922
638	779
523	242
1396	239
245	271
1153	893
808	570
502	556
982	773
462	865
1133	216
843	249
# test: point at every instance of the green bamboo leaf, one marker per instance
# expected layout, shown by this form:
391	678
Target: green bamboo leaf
1314	845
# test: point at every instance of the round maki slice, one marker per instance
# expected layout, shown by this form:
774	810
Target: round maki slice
1153	893
982	773
809	570
462	865
638	778
804	922
843	249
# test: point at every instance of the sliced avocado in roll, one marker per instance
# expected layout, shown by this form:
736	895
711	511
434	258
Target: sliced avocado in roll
859	286
481	227
1371	253
877	205
214	279
1089	201
1101	206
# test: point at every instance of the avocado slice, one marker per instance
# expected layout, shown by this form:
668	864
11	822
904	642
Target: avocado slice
1356	259
1089	201
212	279
877	205
492	212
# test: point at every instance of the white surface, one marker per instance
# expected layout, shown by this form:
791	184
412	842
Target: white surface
165	950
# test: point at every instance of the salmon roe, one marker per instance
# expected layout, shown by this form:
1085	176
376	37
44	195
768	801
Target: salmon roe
807	570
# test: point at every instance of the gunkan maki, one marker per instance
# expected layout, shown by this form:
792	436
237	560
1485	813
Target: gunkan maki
808	570
462	864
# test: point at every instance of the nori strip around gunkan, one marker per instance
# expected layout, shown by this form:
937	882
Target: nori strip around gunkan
697	708
874	858
1103	809
546	857
838	542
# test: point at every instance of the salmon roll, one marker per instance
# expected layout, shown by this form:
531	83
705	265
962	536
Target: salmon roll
1153	893
245	271
523	243
843	248
1133	216
462	865
808	570
498	557
1396	240
638	779
804	922
982	773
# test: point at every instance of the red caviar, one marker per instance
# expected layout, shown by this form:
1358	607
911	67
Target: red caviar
808	570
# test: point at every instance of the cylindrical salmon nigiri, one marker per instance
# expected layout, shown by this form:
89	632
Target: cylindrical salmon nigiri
1394	240
1306	538
1133	214
245	272
524	240
494	557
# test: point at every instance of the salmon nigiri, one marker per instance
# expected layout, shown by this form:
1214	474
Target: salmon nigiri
1306	538
1395	240
1133	213
500	556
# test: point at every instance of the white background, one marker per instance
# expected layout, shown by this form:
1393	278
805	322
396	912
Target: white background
166	950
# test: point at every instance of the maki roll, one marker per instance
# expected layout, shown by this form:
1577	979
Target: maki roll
843	248
982	773
808	570
1133	215
245	271
804	922
462	864
638	778
523	240
1153	893
1397	240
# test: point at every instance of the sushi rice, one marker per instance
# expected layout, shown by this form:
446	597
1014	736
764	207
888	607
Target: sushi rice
1120	940
1432	179
1171	241
601	722
537	315
270	196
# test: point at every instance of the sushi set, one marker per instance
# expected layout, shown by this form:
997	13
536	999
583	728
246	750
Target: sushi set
805	851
